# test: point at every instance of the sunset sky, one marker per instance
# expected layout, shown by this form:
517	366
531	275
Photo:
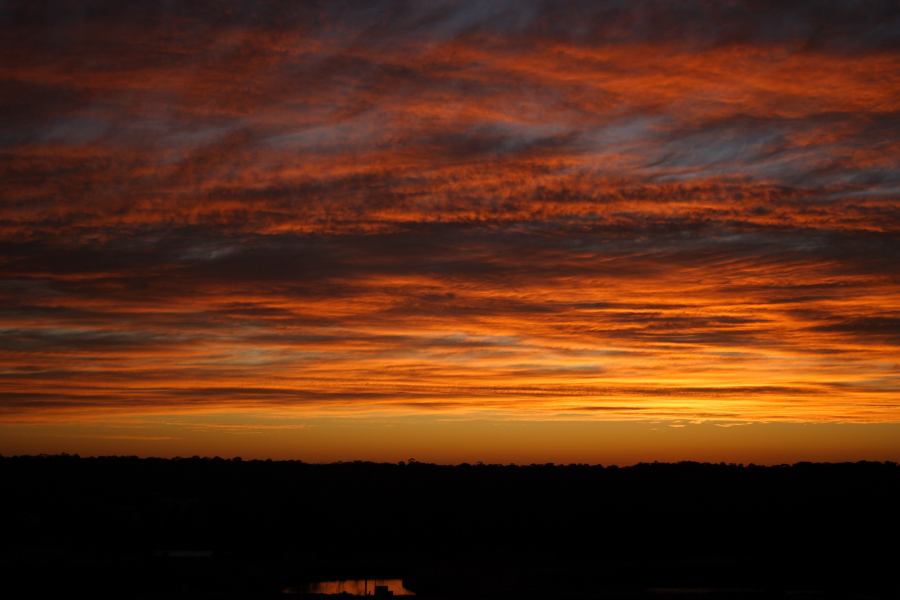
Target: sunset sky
504	231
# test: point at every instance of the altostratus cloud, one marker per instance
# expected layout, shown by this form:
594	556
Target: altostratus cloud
639	210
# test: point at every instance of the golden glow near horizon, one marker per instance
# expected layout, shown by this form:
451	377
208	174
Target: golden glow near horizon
448	215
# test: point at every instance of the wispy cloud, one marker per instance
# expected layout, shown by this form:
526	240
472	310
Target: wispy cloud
639	210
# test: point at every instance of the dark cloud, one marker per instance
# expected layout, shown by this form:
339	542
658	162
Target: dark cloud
885	329
672	209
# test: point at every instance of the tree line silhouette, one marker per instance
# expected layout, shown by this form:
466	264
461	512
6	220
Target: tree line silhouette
228	528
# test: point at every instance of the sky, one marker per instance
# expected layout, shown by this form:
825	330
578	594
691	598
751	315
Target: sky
515	231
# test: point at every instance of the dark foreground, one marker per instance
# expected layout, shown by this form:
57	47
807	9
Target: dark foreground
213	528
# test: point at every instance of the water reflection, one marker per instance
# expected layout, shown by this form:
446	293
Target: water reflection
357	587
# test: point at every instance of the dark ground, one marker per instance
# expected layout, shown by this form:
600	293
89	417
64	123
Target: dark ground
213	528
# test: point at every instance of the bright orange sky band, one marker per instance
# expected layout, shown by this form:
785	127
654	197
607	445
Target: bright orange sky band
509	231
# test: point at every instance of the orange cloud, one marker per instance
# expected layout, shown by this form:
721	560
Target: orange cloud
438	214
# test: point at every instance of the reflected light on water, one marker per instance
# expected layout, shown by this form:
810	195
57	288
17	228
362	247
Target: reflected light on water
357	587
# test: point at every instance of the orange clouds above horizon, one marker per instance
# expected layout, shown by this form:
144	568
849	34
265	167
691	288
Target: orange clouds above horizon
514	211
